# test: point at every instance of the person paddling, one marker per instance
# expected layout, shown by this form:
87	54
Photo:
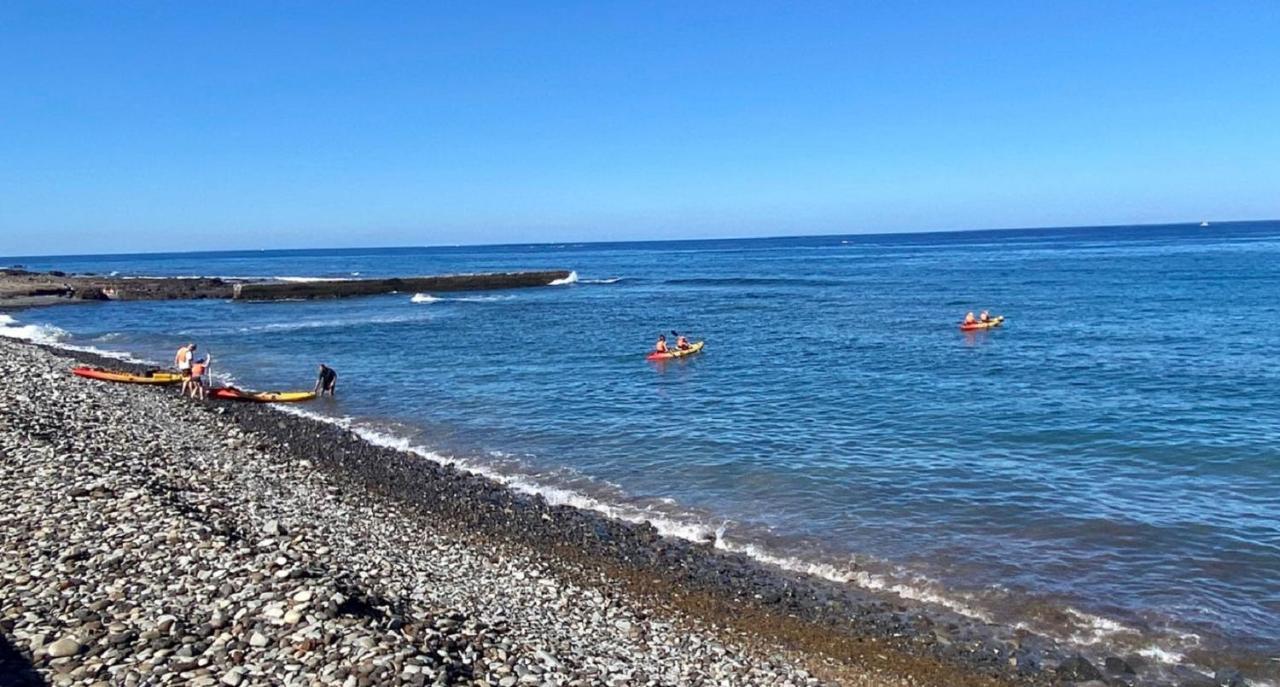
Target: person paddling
326	381
969	318
661	346
985	316
682	341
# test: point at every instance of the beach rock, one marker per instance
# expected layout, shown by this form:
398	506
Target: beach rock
67	646
1117	666
1079	669
1227	677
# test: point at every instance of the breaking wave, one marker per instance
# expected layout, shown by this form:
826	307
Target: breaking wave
428	298
37	333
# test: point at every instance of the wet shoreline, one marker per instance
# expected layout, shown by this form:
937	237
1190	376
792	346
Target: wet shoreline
852	626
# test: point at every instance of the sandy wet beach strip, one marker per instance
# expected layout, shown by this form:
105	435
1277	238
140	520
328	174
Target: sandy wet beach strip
149	539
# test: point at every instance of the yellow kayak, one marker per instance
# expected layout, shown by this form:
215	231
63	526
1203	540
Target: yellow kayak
675	352
228	393
152	377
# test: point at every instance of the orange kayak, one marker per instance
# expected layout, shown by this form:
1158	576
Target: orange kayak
151	377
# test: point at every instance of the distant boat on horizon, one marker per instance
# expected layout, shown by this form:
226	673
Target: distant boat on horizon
1204	223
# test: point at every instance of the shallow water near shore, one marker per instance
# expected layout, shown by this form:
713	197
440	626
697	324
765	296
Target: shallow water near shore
1104	468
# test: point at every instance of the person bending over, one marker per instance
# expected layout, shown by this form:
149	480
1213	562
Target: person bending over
327	381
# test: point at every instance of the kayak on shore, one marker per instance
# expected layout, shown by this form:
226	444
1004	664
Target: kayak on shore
989	324
676	353
149	377
230	393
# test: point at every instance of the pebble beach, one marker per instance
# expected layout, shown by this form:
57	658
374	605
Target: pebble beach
149	539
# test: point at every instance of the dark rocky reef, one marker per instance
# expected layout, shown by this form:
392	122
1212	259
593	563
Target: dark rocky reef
267	291
20	287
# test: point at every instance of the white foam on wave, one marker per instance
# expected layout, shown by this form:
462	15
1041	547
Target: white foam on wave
1161	655
610	280
325	324
571	279
50	335
303	280
37	333
428	298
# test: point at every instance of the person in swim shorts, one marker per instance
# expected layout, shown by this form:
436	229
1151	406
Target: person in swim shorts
200	377
326	381
182	361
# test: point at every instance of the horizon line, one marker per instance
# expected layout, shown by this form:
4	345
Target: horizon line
663	240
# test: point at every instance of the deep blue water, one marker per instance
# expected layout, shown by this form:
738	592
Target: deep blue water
1112	450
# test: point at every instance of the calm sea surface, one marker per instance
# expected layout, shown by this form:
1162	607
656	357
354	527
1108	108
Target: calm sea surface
1105	467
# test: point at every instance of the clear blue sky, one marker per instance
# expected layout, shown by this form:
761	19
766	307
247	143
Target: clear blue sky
128	126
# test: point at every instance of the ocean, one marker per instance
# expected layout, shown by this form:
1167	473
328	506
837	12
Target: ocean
1103	469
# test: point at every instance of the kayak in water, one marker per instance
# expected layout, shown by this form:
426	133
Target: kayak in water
230	393
675	352
989	324
149	377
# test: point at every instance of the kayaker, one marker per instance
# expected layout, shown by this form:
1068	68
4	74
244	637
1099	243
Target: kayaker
682	342
200	377
969	318
326	381
985	316
661	346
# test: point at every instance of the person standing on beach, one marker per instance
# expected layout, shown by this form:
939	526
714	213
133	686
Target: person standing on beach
327	381
182	360
200	377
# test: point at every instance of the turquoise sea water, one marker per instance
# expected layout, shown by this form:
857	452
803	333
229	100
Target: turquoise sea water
1104	468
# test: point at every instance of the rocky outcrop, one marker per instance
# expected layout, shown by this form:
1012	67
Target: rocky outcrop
18	287
260	291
